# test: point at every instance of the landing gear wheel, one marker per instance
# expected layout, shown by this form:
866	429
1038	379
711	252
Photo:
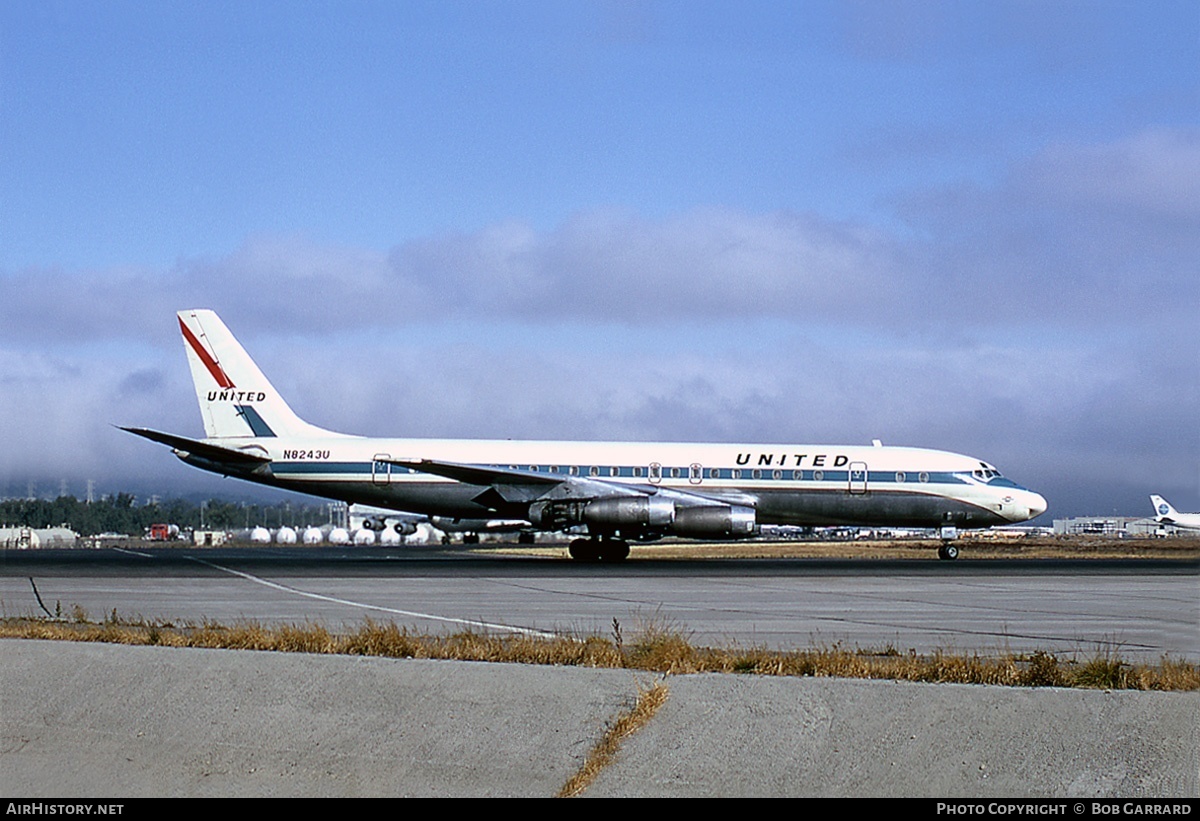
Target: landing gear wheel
948	552
599	550
614	551
585	550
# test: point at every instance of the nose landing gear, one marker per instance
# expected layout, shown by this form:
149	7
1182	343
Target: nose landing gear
948	551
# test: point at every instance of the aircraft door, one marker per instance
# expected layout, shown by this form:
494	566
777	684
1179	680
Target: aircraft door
858	478
381	470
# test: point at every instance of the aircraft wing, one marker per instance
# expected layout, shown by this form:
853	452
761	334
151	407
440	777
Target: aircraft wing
216	453
516	485
521	486
477	474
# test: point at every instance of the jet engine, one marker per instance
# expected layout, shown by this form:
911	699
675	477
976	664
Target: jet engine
715	522
648	515
643	512
647	511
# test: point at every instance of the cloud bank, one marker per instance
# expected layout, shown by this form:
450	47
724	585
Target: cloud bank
1047	323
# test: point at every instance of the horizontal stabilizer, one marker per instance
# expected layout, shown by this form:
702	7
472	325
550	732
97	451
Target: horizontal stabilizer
196	448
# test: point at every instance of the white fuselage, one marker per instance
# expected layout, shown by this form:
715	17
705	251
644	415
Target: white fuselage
786	484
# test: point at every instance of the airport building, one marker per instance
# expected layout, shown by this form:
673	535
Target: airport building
31	538
1117	527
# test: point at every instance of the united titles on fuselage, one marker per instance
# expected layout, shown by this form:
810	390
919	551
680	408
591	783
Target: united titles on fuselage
780	459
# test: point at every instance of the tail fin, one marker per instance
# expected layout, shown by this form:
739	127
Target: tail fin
1162	508
236	399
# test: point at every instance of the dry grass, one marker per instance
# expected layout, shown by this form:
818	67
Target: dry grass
605	752
655	647
371	639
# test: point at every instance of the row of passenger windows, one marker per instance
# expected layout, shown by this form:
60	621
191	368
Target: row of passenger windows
696	473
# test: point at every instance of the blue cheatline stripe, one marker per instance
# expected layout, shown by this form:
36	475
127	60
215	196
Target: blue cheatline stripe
322	467
836	477
257	424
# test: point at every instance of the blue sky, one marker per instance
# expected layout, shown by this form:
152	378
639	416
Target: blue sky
969	225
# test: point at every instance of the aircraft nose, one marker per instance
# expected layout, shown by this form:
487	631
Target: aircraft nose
1037	505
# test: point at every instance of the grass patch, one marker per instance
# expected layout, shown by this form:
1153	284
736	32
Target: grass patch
605	752
654	647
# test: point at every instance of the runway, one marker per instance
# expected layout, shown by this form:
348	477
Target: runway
1140	610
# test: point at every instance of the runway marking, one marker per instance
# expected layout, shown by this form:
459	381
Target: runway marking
469	622
132	552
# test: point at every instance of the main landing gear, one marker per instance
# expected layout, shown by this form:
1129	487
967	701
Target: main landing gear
599	550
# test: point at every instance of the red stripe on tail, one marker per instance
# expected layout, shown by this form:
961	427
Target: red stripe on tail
213	368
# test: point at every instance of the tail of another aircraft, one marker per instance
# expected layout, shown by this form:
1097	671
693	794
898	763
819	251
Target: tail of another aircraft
1161	507
236	399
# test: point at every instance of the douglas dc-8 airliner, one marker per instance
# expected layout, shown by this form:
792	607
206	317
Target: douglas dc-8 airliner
616	492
